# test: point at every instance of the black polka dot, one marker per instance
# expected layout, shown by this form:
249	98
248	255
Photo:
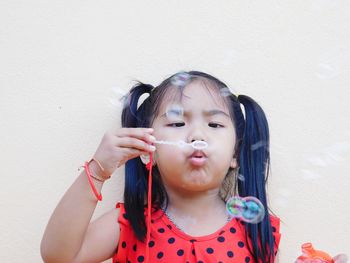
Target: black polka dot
210	250
240	244
161	230
160	254
125	216
247	259
123	244
274	229
230	254
171	240
140	259
233	230
151	244
221	239
180	252
193	252
134	247
200	261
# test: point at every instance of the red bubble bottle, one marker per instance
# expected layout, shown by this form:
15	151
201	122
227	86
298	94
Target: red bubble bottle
310	255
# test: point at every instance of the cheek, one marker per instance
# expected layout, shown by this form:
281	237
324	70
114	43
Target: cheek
168	155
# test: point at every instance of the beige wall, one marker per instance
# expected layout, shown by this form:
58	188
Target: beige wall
60	62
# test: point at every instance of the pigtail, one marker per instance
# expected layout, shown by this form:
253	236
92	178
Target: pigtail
135	172
254	161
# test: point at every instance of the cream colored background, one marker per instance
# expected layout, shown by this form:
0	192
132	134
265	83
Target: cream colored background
63	63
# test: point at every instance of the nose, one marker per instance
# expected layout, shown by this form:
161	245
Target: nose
197	133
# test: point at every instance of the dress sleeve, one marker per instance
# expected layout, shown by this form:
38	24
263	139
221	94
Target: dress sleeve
275	224
122	219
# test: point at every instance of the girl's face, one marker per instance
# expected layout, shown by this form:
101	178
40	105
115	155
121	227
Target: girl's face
202	115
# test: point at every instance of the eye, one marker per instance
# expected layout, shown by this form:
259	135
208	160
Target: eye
176	124
215	125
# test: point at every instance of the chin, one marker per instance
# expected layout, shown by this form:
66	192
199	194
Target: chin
199	182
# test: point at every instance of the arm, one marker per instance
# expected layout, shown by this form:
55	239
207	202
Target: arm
69	229
69	235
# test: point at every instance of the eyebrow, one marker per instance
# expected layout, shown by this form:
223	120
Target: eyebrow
215	112
206	113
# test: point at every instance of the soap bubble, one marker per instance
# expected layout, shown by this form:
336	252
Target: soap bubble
326	71
174	112
119	98
225	92
180	79
258	145
125	100
241	177
248	209
199	145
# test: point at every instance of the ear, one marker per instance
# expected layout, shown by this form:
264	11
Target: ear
233	163
145	159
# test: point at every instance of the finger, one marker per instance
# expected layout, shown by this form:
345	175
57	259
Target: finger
144	134
133	153
129	142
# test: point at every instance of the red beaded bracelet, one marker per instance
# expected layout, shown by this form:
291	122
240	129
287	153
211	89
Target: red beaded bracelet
88	174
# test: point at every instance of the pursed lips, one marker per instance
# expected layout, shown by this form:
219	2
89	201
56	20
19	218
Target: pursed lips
198	158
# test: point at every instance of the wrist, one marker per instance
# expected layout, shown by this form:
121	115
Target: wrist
98	171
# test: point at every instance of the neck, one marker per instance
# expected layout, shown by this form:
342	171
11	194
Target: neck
196	205
197	214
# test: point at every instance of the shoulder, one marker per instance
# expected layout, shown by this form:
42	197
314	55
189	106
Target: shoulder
122	217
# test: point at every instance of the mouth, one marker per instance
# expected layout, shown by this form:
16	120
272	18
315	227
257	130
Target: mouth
198	158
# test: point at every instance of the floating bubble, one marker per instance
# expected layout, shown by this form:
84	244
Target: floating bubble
326	71
119	98
258	145
235	206
125	100
248	209
225	92
174	112
199	145
241	177
180	79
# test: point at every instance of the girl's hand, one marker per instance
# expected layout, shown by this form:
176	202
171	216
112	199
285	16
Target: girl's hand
119	146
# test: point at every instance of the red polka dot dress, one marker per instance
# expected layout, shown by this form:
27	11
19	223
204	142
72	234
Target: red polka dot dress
170	244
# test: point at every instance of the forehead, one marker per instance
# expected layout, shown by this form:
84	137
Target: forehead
198	94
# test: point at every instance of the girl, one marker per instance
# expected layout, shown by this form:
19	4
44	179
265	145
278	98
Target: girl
185	188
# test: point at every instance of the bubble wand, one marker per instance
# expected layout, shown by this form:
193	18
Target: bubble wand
198	145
